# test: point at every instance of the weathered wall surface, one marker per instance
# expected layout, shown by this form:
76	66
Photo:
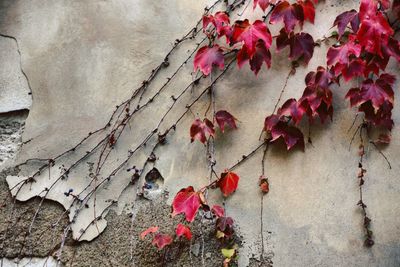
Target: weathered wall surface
82	58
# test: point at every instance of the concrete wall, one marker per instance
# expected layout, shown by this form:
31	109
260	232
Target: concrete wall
82	58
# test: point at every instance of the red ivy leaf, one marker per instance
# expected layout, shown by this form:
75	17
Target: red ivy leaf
294	109
221	22
250	34
290	134
281	129
206	57
186	201
355	68
200	129
161	240
344	19
374	31
263	4
260	56
308	10
301	45
149	230
225	225
228	183
290	14
392	48
224	117
218	211
377	92
381	117
183	230
342	54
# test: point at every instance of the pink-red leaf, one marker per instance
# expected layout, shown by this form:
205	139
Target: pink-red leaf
263	4
186	201
224	117
183	230
220	21
149	230
206	57
200	129
218	211
161	240
249	34
294	109
342	54
228	183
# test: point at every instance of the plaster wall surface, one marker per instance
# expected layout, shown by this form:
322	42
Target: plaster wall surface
83	58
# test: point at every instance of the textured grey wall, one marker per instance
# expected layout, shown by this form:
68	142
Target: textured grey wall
82	58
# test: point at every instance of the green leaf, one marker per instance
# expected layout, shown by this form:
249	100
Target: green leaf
228	253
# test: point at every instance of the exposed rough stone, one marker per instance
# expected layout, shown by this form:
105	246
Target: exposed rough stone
11	129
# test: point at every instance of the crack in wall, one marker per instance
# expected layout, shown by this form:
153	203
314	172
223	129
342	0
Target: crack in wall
20	60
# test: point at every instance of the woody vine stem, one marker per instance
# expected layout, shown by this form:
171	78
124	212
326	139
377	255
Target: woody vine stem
365	40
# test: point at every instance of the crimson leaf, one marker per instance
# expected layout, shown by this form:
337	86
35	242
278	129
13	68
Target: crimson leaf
186	201
228	183
183	230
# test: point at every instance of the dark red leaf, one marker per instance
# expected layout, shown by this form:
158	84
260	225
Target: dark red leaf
377	92
392	48
149	230
260	56
290	14
206	57
183	230
381	117
301	45
396	8
344	19
161	240
200	129
225	225
224	117
290	134
186	201
270	122
228	183
218	211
